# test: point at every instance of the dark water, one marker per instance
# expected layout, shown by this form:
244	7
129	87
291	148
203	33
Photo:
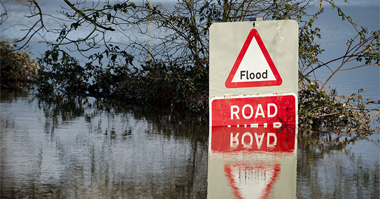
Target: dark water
84	149
88	149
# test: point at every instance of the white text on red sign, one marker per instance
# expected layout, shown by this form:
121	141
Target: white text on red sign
255	111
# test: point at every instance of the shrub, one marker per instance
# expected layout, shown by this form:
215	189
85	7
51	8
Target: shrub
18	69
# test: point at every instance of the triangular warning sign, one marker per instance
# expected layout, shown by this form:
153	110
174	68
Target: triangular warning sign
254	66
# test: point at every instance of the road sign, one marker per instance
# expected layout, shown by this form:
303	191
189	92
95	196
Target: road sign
249	60
254	111
253	84
253	66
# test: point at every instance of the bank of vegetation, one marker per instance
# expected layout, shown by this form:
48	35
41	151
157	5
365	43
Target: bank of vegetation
165	63
17	69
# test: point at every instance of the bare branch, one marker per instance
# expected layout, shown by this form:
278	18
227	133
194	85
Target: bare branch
81	13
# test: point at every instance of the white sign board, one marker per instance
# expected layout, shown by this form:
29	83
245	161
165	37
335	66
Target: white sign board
253	88
253	59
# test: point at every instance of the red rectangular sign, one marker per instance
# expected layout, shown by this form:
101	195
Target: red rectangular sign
238	139
273	110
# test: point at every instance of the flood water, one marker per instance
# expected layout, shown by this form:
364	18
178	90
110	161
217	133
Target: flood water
83	149
89	149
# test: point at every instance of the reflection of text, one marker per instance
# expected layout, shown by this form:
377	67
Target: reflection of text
247	140
271	137
246	175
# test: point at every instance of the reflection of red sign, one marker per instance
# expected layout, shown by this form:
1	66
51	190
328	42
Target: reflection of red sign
269	139
273	110
252	181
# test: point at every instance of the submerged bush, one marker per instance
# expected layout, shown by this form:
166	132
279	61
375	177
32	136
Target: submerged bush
319	108
329	121
166	85
61	74
17	69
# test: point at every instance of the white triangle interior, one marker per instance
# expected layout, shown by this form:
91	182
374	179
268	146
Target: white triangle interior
253	62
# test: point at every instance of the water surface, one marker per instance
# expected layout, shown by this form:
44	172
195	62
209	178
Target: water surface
88	149
84	149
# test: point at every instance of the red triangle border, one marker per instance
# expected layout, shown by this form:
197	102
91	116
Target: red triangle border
277	82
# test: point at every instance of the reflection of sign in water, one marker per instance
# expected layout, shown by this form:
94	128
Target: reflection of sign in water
269	139
252	181
254	160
